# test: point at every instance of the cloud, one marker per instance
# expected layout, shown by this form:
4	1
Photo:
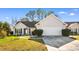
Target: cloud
6	17
62	12
72	14
75	9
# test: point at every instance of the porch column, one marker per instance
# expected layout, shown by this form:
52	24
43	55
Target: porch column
14	32
22	31
77	31
30	31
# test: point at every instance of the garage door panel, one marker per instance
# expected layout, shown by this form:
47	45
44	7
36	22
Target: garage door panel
52	31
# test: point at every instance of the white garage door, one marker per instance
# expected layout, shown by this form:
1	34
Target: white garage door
52	31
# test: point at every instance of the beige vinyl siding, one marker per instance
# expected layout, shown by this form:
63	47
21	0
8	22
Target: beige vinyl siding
51	25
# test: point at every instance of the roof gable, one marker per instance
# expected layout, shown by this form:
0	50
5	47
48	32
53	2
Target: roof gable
20	25
51	20
74	25
28	23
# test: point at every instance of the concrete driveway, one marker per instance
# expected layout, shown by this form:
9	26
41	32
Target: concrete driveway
60	43
57	41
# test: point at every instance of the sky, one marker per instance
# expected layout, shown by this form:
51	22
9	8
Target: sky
64	14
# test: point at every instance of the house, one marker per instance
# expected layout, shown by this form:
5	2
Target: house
24	27
73	26
51	25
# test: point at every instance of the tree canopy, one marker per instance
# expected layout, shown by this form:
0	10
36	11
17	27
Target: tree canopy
38	14
4	26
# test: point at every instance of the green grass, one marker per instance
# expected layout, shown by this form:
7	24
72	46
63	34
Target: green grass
24	43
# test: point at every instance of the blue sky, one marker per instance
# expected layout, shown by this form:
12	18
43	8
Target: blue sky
65	14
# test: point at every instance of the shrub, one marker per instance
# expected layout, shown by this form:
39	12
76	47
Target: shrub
74	33
37	32
11	33
3	34
66	32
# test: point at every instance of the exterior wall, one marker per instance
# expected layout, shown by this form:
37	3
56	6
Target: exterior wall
50	21
31	30
51	25
75	30
74	27
21	26
78	30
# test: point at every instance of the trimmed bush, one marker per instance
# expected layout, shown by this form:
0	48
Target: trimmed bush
66	32
37	32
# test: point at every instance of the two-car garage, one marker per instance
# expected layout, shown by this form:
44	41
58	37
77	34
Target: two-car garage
51	25
55	31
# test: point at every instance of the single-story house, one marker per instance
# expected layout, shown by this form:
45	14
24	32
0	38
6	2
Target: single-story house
73	26
24	27
51	25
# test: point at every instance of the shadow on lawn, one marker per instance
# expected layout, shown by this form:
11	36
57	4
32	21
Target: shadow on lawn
37	40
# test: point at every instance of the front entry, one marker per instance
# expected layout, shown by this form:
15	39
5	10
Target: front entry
22	31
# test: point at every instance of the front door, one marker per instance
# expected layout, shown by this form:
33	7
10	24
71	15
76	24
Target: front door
25	31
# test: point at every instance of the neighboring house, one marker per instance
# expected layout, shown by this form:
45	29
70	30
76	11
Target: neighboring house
51	25
73	26
24	27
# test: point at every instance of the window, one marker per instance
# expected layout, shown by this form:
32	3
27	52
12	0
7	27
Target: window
18	31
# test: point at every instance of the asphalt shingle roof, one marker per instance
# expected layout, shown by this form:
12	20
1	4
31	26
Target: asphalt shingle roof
28	23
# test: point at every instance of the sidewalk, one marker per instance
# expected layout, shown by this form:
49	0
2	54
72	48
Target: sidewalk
72	46
50	48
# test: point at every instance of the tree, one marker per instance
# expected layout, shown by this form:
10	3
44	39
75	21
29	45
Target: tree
39	14
3	33
24	19
31	15
4	27
1	25
14	21
49	13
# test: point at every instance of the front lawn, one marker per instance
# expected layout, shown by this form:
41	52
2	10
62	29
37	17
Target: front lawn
24	43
